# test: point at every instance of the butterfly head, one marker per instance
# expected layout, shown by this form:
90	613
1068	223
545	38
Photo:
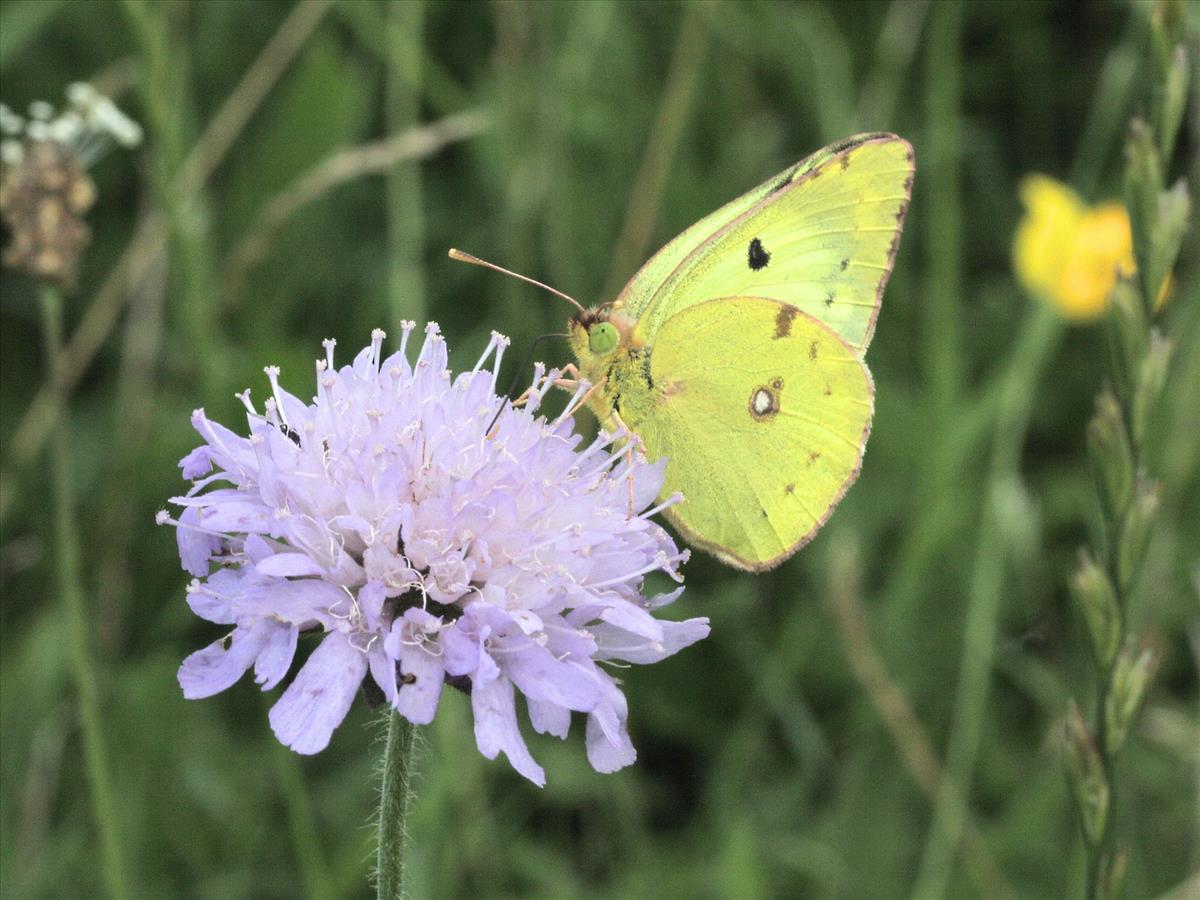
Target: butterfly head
596	335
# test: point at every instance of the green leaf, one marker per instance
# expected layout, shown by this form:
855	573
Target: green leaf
21	21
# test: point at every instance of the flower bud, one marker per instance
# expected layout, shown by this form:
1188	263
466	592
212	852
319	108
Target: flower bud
1130	678
1085	772
1112	457
1143	184
1093	592
1135	531
1151	376
1172	212
1168	29
1172	100
1128	334
1112	873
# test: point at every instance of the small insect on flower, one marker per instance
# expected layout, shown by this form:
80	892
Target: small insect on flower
427	531
1071	254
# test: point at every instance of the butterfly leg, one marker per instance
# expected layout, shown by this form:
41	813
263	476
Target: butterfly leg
572	383
612	422
632	443
567	384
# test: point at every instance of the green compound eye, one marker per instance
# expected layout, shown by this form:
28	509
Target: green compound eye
603	338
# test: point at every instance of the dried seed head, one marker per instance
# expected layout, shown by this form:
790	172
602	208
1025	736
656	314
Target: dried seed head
45	190
43	199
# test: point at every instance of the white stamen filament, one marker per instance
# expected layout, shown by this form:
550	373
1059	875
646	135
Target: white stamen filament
661	562
277	391
377	336
669	502
572	404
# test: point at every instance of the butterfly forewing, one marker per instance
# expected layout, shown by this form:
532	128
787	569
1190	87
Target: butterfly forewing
821	236
643	287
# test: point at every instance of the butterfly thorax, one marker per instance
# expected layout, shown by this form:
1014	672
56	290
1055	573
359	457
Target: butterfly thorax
611	359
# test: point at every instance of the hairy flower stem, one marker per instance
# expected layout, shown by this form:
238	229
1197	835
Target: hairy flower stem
394	797
71	596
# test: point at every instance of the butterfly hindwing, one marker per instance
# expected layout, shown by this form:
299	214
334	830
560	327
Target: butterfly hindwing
763	413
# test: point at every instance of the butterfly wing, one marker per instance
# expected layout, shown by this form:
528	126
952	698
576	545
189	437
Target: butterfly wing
636	296
821	236
762	412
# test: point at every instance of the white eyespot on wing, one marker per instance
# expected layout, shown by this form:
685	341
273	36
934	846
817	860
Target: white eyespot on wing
764	402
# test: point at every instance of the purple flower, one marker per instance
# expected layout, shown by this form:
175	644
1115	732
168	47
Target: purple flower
425	537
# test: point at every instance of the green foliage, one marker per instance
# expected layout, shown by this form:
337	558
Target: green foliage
767	768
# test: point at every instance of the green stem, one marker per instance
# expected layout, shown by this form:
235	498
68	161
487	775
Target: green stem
942	166
1102	850
394	797
71	593
310	855
405	208
166	89
1014	405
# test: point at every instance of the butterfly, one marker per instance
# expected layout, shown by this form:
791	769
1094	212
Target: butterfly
736	352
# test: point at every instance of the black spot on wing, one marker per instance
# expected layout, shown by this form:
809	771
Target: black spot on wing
757	255
844	263
829	299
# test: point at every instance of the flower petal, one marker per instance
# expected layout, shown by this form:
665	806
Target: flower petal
542	677
549	718
608	744
383	672
616	643
320	696
197	464
289	565
276	656
196	547
460	652
626	615
421	679
496	727
217	666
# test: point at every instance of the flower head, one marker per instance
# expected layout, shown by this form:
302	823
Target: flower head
45	190
427	532
1068	253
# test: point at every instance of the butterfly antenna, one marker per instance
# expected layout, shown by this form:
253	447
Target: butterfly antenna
476	261
516	375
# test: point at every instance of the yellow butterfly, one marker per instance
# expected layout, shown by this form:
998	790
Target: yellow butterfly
736	351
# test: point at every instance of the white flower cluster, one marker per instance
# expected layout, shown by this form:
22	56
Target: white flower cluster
88	127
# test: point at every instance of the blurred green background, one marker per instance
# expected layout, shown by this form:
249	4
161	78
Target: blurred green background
267	210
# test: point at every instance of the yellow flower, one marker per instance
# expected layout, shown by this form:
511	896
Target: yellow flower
1069	253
